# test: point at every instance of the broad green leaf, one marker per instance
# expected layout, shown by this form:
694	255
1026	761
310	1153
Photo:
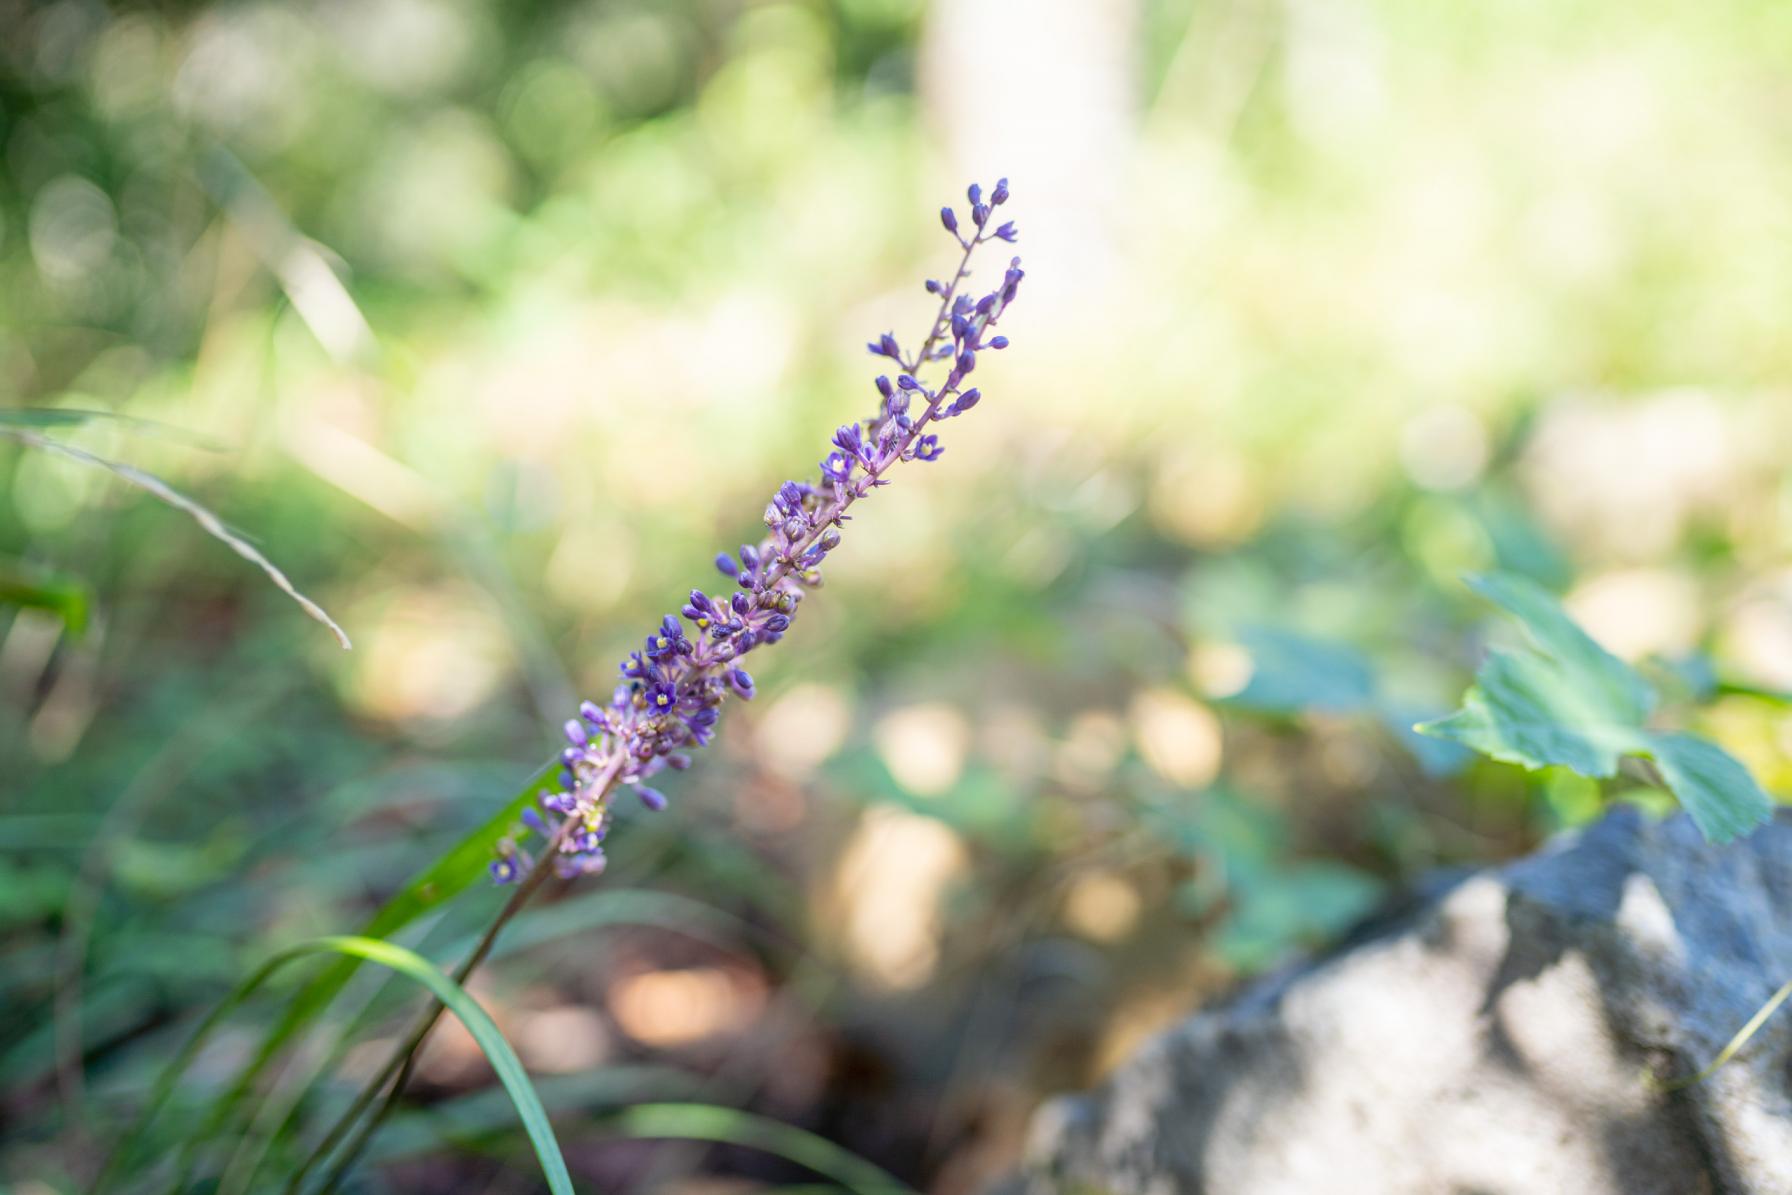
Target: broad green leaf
1292	672
504	1062
1609	681
1528	709
1564	700
1714	787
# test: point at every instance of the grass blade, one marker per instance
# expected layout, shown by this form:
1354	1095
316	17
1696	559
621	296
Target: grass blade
63	596
210	522
478	1022
729	1126
1734	1045
452	873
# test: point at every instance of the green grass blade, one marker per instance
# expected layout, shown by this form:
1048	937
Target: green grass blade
1735	1043
597	910
729	1126
462	866
66	597
470	1122
479	1024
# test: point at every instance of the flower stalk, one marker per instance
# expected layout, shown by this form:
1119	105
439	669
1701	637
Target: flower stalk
671	691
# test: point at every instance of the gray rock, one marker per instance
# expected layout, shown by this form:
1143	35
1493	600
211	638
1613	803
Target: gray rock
1496	1039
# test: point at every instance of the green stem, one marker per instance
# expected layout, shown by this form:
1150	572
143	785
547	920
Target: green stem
403	1061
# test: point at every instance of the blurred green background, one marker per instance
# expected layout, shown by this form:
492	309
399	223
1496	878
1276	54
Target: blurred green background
491	323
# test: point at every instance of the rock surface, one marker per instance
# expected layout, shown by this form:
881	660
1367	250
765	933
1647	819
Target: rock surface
1492	1040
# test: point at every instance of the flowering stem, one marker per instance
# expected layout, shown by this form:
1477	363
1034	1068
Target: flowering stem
673	688
403	1061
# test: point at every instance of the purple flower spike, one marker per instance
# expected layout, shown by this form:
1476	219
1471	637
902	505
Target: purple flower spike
673	687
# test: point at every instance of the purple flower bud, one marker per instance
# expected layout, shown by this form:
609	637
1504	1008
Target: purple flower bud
950	219
974	193
965	402
1000	342
907	383
740	604
934	288
533	820
1008	232
883	386
780	622
653	798
849	439
726	566
589	711
741	682
575	733
885	346
980	215
967	361
999	196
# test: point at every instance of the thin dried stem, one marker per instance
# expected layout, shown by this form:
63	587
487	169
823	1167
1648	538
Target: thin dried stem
211	523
